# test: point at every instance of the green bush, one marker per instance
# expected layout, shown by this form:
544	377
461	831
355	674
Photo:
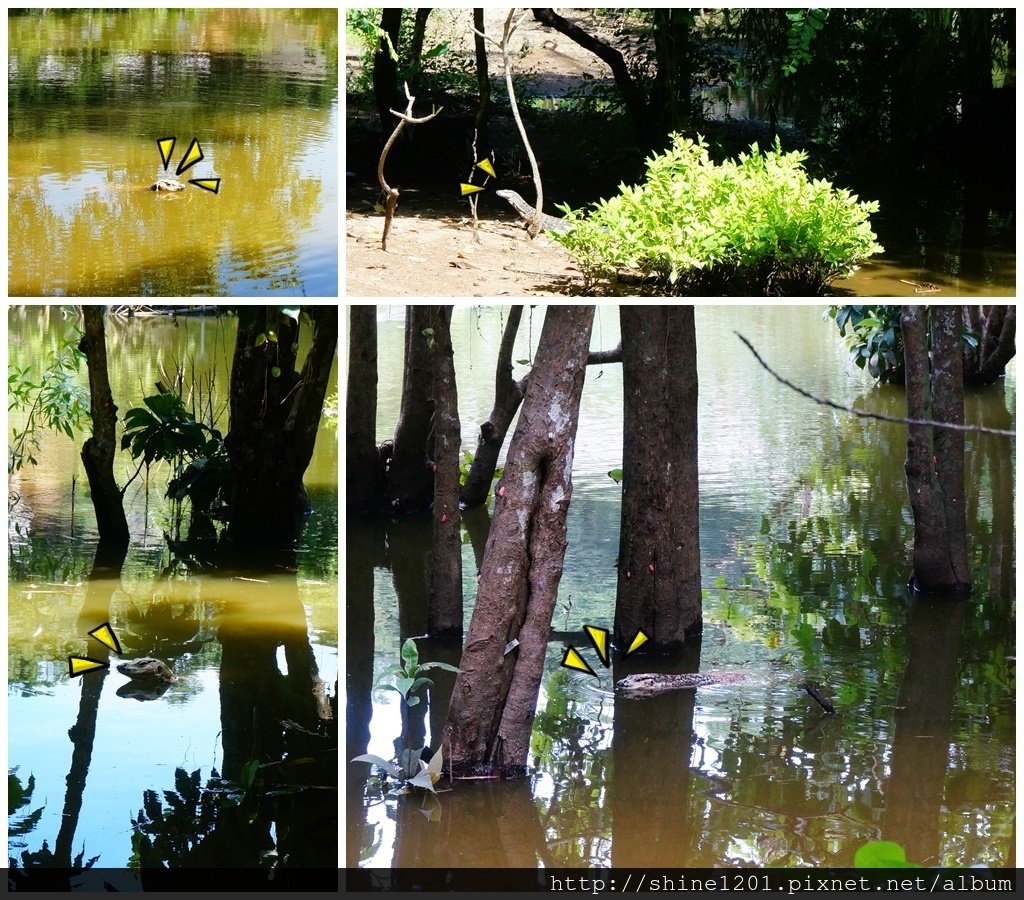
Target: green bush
755	225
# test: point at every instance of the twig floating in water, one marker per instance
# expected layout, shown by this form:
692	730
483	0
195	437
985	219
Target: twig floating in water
819	699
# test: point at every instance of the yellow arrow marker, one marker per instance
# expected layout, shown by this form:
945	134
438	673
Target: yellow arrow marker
79	665
573	660
207	184
166	146
637	642
105	635
599	638
191	157
469	189
485	164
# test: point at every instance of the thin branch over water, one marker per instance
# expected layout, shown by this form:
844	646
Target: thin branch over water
868	415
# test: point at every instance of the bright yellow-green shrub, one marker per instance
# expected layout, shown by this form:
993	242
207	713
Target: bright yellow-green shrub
752	226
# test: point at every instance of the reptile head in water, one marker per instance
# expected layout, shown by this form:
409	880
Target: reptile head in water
147	669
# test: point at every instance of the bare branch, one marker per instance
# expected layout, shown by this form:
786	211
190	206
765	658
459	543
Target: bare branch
868	415
404	119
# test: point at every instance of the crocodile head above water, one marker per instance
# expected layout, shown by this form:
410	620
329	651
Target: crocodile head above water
166	184
147	669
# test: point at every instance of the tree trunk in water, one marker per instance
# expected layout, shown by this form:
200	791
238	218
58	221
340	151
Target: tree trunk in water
659	588
495	696
935	456
508	394
362	471
444	612
275	414
410	477
98	451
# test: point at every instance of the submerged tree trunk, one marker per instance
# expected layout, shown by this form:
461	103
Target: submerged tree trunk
363	485
495	696
935	456
275	414
410	476
444	610
98	451
659	540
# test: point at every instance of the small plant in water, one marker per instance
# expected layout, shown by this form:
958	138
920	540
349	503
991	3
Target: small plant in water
410	770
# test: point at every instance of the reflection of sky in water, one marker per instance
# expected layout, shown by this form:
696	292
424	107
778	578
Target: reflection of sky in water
65	193
137	747
309	269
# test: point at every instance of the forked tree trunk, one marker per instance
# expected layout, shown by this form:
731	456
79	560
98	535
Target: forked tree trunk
935	456
659	541
363	487
495	696
99	450
444	610
275	414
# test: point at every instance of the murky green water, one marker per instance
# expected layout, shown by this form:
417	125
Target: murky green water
242	643
805	541
91	93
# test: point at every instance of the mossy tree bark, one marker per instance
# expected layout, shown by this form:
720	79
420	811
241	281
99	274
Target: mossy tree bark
659	540
495	696
935	456
99	450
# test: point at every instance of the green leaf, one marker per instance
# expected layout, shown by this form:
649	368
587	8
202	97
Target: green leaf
248	775
410	655
275	372
616	475
404	685
436	51
261	339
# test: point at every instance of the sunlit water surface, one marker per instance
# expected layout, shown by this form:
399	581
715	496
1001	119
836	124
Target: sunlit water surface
92	92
